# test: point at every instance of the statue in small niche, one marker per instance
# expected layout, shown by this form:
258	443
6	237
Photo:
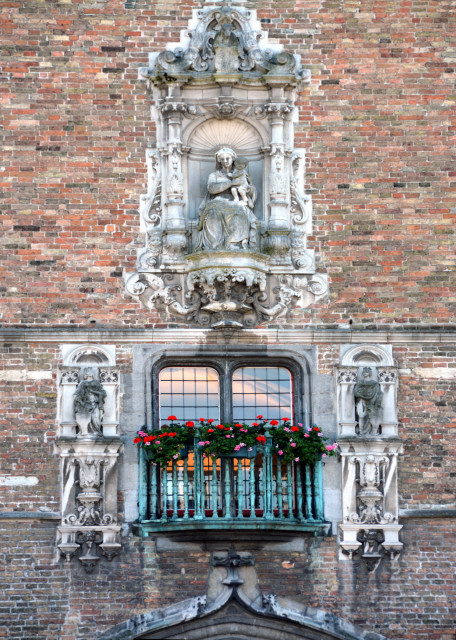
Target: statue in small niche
368	399
226	218
88	401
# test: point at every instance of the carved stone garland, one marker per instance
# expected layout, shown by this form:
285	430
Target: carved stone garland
369	448
89	448
239	256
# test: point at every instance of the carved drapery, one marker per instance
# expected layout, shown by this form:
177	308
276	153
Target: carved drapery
224	87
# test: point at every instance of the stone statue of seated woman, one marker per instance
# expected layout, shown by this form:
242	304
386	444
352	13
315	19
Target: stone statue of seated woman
226	218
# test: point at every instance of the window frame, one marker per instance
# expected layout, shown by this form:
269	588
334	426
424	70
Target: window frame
225	365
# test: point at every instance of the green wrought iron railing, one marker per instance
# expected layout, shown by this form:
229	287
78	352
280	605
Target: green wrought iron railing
258	491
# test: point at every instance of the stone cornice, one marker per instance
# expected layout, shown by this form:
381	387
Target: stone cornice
310	335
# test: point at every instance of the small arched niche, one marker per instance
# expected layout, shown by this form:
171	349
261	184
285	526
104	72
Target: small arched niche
203	142
87	355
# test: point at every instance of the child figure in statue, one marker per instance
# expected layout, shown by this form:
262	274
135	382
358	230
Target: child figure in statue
241	181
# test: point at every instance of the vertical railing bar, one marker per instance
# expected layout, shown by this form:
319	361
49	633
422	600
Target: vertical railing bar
185	488
279	488
164	496
227	512
153	470
174	468
214	492
290	492
318	483
298	474
268	512
309	509
240	489
143	481
197	489
203	489
252	488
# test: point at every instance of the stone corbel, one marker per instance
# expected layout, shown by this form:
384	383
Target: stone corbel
369	498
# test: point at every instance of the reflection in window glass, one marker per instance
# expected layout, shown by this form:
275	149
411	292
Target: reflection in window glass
265	391
189	393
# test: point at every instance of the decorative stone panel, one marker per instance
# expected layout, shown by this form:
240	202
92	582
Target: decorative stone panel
225	241
89	447
369	446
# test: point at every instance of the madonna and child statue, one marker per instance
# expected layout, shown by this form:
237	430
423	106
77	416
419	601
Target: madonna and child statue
226	218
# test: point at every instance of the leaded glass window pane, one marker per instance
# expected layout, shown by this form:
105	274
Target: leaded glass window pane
189	393
265	391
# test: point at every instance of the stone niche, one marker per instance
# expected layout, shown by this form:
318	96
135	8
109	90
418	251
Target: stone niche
369	445
89	446
225	220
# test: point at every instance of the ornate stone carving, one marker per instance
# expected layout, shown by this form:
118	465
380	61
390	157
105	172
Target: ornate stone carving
226	218
88	459
368	398
88	401
225	93
223	42
232	561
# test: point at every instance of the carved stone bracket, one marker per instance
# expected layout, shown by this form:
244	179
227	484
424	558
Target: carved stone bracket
89	499
226	297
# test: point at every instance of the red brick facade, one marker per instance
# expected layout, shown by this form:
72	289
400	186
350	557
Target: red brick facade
378	121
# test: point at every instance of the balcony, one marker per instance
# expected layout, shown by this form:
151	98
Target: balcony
232	493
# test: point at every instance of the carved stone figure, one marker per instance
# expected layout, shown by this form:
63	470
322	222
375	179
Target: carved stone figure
88	401
225	221
368	397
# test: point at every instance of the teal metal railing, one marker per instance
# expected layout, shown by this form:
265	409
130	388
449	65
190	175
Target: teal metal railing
231	490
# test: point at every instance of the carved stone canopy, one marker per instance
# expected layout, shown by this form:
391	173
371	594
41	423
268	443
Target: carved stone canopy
226	218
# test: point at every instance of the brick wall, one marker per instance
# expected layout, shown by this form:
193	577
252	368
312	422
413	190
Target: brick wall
378	123
377	120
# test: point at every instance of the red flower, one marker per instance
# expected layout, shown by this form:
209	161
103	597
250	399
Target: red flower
189	424
136	440
259	417
202	419
286	419
274	423
254	424
261	439
211	420
150	438
238	424
295	428
315	429
210	431
220	426
172	418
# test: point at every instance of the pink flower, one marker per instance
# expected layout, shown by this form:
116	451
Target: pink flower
296	459
293	444
280	452
286	429
175	456
324	455
306	435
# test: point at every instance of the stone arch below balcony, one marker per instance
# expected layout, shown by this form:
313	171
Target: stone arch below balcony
236	617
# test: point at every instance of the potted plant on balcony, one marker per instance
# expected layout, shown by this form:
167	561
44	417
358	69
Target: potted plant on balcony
295	443
234	439
171	442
